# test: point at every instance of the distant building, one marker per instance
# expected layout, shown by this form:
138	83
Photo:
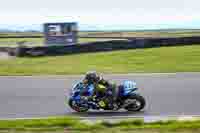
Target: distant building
60	33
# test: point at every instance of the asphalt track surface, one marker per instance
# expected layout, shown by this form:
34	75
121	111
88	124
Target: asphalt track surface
4	55
166	95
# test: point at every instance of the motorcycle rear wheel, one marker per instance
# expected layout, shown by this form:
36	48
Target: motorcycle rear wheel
135	103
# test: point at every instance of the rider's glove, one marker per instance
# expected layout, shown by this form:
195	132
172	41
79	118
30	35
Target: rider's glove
84	98
109	93
92	98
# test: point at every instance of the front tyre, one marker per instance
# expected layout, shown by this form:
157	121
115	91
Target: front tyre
135	103
77	108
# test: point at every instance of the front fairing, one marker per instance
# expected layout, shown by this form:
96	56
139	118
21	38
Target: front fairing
78	88
130	92
90	89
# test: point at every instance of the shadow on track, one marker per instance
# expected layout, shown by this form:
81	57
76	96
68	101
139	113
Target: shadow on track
108	114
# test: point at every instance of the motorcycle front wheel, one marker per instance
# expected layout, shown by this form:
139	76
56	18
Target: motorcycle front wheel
77	108
135	103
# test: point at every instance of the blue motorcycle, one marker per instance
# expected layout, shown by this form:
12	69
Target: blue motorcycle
126	98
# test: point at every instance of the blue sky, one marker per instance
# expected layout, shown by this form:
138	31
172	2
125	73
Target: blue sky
138	14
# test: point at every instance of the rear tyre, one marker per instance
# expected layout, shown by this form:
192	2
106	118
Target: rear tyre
135	103
77	108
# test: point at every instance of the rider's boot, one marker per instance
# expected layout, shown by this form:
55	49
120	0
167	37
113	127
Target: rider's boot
112	104
115	106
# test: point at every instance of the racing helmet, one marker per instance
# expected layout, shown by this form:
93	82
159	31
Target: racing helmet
92	77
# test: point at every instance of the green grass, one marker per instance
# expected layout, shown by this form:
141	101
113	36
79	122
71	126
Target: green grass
13	34
88	40
153	60
73	124
13	42
151	33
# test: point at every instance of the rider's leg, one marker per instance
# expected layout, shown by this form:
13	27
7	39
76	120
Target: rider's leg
112	97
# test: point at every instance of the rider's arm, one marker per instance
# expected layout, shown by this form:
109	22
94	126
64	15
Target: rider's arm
104	82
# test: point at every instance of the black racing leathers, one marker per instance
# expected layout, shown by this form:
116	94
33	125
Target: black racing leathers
104	90
107	92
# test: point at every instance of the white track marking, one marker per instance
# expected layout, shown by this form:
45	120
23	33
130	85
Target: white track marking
162	117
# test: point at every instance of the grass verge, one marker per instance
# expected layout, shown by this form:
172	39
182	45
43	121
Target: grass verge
34	42
73	124
153	60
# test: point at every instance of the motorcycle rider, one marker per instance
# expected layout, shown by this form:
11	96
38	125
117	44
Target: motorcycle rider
103	88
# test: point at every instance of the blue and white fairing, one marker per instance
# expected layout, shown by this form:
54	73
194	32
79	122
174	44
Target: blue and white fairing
129	87
90	90
76	90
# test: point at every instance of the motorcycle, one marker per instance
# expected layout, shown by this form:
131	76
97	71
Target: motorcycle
126	98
